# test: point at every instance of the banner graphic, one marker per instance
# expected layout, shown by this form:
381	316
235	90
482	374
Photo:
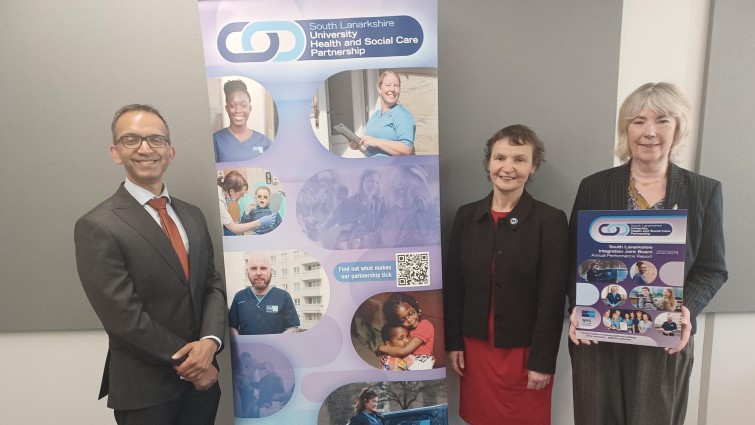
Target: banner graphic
325	124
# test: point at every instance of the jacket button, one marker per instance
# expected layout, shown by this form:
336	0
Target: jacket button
497	286
499	319
499	253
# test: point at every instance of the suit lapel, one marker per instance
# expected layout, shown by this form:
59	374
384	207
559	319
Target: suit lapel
618	187
676	196
133	214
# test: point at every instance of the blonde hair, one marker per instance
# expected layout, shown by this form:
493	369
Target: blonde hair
671	299
385	74
662	98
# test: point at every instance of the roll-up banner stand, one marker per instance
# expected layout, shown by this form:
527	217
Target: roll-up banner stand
325	116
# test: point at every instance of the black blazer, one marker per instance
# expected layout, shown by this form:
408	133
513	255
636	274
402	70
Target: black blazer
530	250
135	283
704	267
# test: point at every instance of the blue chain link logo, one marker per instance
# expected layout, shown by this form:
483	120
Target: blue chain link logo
610	229
271	29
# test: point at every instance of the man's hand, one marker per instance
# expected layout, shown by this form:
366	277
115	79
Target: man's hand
198	361
205	381
456	360
686	332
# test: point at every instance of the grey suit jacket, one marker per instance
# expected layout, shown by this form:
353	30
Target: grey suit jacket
135	283
704	267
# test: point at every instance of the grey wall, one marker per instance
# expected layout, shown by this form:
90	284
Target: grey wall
66	67
728	141
550	65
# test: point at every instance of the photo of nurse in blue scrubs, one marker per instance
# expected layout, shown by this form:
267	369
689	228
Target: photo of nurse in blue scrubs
391	128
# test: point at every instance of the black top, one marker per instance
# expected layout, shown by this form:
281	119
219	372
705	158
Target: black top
530	252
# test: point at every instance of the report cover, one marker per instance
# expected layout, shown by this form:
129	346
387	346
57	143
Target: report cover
630	276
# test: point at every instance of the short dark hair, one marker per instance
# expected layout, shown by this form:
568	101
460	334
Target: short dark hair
386	331
518	135
138	107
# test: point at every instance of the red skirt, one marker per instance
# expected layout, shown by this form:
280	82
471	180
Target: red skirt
494	386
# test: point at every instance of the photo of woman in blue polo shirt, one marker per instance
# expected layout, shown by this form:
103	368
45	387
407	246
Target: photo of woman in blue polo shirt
390	130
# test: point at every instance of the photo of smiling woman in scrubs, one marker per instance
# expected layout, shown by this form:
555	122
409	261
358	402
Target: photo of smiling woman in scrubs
390	130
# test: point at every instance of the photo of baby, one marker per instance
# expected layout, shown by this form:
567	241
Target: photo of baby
252	201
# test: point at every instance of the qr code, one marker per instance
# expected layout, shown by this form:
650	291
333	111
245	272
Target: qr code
413	269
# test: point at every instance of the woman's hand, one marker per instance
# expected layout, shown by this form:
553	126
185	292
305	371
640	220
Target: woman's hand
368	141
355	146
686	332
573	330
537	381
390	147
456	361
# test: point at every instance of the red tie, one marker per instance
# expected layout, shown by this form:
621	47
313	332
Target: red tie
171	230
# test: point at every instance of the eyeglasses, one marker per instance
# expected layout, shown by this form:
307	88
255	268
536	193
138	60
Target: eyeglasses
242	106
132	141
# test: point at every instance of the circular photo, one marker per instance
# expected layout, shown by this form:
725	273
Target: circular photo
613	295
663	298
399	402
400	331
263	380
366	208
643	273
602	271
378	112
252	201
275	292
243	118
669	324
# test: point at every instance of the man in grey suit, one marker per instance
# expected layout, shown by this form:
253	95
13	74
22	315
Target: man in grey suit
150	277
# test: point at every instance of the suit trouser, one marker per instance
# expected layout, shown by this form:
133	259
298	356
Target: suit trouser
622	384
190	408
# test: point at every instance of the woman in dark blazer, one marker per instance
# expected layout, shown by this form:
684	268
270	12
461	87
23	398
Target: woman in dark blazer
504	287
652	122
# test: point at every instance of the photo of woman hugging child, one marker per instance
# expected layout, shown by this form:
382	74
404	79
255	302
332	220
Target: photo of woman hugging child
408	340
